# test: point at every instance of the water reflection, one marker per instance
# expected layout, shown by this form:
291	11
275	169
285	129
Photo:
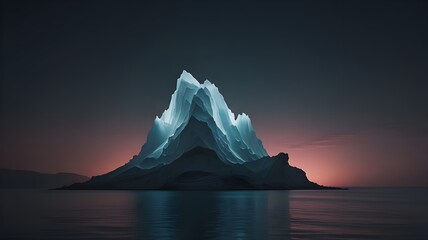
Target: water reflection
211	215
352	214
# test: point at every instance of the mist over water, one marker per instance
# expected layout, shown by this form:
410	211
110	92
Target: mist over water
313	214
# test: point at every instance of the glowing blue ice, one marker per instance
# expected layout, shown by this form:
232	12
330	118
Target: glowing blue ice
199	116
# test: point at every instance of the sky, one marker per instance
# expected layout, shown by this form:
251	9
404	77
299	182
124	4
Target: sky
342	86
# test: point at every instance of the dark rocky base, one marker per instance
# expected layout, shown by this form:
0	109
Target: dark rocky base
201	169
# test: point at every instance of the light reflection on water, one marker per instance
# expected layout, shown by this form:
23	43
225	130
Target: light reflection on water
351	214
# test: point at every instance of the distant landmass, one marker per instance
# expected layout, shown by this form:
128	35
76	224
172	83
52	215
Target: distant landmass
12	178
199	144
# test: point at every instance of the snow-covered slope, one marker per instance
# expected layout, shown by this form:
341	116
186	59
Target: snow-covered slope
198	116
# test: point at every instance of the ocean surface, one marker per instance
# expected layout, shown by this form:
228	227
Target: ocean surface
372	213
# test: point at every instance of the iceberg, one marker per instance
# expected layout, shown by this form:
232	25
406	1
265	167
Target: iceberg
198	116
199	144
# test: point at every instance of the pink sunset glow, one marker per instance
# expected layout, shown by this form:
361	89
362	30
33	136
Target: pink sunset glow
370	158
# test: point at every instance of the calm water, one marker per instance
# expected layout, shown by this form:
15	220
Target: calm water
351	214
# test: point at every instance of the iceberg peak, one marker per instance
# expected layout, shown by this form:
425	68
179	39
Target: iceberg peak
188	78
198	116
207	83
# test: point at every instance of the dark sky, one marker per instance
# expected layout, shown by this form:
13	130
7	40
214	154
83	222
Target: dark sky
340	85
